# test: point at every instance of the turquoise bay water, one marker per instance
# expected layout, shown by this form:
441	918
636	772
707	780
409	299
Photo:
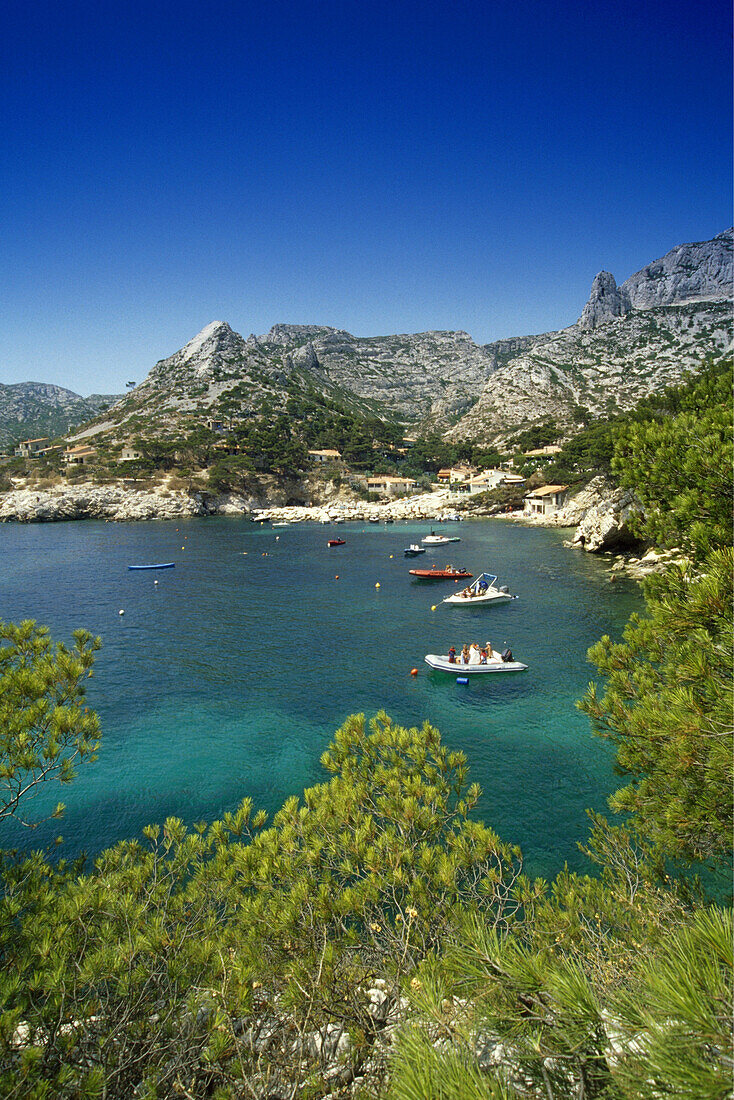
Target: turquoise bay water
228	678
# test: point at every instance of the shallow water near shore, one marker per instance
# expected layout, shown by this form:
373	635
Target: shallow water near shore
229	676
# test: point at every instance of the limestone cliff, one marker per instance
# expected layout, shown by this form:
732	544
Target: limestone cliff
629	341
697	272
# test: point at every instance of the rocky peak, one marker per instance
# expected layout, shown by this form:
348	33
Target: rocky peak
606	302
217	344
216	338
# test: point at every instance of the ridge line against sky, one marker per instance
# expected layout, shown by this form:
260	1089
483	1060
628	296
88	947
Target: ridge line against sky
381	169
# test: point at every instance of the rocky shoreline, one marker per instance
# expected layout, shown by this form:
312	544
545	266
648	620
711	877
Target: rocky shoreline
121	504
598	514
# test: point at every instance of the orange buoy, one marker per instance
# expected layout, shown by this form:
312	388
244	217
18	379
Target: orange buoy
377	585
336	578
414	672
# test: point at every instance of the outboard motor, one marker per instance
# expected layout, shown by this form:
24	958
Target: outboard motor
505	589
507	655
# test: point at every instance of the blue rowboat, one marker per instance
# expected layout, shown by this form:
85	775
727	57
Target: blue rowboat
163	565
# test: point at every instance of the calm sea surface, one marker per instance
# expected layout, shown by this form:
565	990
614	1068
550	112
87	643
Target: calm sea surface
229	677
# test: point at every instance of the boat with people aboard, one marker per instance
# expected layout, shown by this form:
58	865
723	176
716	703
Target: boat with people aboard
483	590
473	661
414	550
337	542
450	572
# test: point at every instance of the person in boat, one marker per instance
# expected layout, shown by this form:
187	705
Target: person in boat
491	655
452	655
483	656
474	655
466	592
483	586
465	655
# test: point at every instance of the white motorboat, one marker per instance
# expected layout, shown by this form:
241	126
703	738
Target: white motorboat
439	540
483	590
281	523
414	550
441	663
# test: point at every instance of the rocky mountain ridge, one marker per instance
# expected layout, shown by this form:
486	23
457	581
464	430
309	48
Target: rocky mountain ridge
630	339
34	409
582	373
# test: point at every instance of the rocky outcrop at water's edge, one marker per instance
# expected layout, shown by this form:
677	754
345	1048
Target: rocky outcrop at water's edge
604	524
118	503
97	502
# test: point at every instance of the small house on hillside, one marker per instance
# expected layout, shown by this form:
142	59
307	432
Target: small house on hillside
323	458
30	447
546	500
130	453
539	452
458	474
81	455
394	486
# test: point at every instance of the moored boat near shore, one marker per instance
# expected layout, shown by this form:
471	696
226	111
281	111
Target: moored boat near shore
450	572
483	590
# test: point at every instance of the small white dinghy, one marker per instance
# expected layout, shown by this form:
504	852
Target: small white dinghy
441	663
483	590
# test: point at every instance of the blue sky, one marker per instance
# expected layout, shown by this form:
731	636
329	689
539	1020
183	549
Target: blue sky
382	167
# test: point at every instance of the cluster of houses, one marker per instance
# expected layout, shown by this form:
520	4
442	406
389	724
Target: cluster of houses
462	481
80	455
465	481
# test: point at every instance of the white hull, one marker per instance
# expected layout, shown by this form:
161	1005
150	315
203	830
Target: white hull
441	663
482	590
472	601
